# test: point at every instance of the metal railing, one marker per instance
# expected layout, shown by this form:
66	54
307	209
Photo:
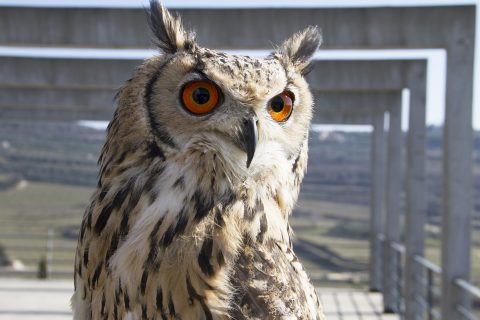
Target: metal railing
396	289
41	248
399	277
432	293
472	292
431	297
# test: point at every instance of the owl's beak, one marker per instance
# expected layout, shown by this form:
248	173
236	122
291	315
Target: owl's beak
250	137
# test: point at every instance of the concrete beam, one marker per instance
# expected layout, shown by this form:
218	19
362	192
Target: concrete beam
65	72
233	28
351	106
88	86
76	103
382	75
57	98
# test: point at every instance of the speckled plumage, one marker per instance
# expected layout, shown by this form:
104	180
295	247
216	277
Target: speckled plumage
179	227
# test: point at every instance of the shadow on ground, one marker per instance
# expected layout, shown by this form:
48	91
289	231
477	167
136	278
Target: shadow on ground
325	258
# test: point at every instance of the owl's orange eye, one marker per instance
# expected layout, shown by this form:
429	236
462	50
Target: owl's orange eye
200	97
280	107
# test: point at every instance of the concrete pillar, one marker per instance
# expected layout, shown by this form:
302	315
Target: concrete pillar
416	205
393	200
377	201
457	183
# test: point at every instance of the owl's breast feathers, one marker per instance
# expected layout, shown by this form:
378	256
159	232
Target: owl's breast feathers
180	239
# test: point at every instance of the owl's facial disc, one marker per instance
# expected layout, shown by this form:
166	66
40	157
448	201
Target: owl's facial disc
249	136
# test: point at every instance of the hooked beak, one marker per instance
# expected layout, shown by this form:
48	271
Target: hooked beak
249	137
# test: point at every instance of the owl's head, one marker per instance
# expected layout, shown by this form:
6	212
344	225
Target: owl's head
252	112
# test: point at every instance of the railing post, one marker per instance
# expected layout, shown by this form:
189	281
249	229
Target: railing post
415	213
393	200
429	293
377	200
50	239
399	281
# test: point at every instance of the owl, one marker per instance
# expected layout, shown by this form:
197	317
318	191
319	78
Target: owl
198	176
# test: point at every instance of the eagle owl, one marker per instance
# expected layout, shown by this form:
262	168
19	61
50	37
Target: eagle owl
200	171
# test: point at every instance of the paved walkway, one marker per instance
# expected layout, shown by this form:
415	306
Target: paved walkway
35	299
45	300
346	304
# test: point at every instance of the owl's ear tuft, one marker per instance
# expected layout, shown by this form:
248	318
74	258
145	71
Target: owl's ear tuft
299	48
170	35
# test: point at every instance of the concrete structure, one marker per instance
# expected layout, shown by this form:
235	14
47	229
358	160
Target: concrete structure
387	185
328	67
393	206
377	202
70	81
57	86
88	86
370	107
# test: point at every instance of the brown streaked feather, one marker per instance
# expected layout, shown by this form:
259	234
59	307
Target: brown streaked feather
268	286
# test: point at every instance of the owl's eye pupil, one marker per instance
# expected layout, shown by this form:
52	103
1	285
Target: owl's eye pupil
280	107
201	95
277	104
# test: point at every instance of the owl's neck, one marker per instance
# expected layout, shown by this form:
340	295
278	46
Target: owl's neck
196	188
